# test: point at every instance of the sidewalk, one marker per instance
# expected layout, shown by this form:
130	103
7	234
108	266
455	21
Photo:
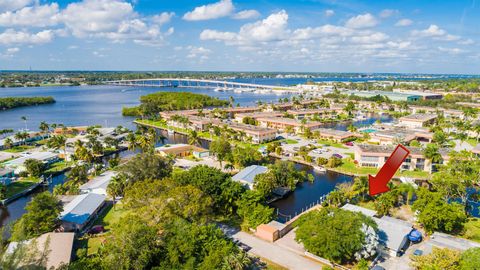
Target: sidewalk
275	253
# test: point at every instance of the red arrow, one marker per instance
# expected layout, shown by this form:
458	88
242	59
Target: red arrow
378	184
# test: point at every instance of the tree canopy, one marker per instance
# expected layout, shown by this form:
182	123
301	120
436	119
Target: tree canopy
334	234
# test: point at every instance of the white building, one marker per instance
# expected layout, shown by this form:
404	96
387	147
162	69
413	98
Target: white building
18	164
99	184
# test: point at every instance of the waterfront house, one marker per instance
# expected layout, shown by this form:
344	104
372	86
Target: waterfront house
247	175
18	164
31	137
392	232
99	184
182	150
282	123
418	120
335	135
376	155
81	210
6	176
55	248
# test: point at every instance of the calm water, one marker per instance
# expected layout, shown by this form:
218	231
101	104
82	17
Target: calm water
308	193
97	105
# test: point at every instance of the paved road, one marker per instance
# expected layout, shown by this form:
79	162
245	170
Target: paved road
275	253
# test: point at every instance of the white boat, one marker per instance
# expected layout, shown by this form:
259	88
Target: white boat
319	169
170	132
238	90
218	89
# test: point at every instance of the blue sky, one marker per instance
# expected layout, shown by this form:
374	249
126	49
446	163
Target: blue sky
266	35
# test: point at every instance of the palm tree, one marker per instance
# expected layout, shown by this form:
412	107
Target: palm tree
44	127
229	167
24	118
236	261
361	187
59	142
193	138
132	141
115	187
8	143
232	101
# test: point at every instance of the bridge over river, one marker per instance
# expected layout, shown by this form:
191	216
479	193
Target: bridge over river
201	83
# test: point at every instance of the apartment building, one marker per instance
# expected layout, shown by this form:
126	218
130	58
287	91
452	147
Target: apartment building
418	120
282	123
376	155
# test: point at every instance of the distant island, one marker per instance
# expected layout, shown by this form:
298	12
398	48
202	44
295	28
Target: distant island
7	103
166	101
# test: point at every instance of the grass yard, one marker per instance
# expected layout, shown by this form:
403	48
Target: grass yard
19	149
369	205
349	167
57	167
109	216
471	230
20	185
332	143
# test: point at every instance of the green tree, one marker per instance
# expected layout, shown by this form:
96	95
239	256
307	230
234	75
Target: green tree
334	234
41	217
34	167
146	166
385	202
470	259
444	259
193	138
132	245
253	210
221	149
436	214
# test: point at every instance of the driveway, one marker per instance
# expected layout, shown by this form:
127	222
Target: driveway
273	252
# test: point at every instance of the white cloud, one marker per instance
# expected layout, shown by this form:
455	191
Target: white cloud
370	38
269	29
435	32
388	13
10	52
34	16
466	42
72	47
404	22
96	16
451	50
432	31
115	20
329	12
11	36
362	21
163	18
246	14
210	11
12	5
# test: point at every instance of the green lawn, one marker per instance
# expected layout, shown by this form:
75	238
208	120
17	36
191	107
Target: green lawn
290	141
332	143
20	185
369	205
349	167
472	142
471	230
19	149
57	167
109	216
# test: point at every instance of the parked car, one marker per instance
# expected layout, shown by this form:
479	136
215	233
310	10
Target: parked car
349	143
337	156
96	229
377	267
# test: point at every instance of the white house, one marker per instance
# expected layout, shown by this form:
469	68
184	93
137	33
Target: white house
99	184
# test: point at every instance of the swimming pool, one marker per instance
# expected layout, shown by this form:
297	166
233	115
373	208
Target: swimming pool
368	130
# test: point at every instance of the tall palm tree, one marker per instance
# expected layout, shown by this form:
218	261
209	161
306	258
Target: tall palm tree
8	143
59	142
44	127
360	186
236	261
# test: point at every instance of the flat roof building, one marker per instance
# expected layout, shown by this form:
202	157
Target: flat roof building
282	123
418	120
257	133
182	150
98	184
334	135
247	175
83	208
368	155
394	96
